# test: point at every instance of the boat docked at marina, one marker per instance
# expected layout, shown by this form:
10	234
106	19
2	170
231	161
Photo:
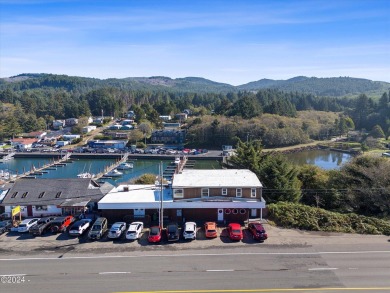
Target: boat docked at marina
113	173
125	166
85	175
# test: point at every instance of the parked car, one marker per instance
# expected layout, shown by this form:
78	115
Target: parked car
116	230
98	229
189	231
134	230
210	230
257	230
25	225
155	234
235	232
79	227
5	216
61	224
172	231
41	226
5	226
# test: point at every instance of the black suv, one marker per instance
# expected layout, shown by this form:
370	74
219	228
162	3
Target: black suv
41	226
173	232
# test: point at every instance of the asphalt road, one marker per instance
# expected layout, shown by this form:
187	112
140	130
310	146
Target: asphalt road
257	268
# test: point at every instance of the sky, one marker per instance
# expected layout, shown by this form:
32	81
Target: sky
233	42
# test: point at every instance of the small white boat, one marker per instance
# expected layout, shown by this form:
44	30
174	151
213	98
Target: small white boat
85	175
386	154
177	160
113	173
125	166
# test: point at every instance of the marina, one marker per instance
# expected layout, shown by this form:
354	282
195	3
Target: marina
96	165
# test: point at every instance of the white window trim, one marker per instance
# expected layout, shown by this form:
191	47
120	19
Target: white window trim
253	194
238	192
175	195
224	191
203	191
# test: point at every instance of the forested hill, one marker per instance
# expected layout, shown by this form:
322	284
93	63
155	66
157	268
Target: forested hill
332	87
85	84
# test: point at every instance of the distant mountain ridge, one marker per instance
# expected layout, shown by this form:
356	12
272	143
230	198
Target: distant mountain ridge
333	86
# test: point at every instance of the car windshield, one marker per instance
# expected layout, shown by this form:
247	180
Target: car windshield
41	222
236	231
131	232
154	231
211	231
189	231
22	225
96	227
76	227
172	229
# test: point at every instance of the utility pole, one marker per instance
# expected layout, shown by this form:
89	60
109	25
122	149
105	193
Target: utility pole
161	220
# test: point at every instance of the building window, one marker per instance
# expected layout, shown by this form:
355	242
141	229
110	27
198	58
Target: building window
14	194
24	195
41	194
205	192
239	192
253	192
224	191
41	208
178	193
58	194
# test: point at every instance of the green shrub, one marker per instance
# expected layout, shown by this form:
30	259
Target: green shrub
291	215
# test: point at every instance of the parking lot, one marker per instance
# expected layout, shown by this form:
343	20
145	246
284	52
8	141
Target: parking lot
12	243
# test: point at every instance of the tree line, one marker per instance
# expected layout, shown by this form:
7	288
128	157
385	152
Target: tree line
42	105
361	186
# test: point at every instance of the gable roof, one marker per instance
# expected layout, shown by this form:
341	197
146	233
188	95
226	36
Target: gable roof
216	178
24	140
52	191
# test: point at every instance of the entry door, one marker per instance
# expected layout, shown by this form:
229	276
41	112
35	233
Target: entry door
29	211
253	213
220	215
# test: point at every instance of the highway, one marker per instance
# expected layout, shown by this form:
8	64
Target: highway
363	268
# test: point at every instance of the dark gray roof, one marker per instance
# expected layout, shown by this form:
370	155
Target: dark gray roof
78	189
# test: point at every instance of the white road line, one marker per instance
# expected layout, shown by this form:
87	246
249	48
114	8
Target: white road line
197	254
219	270
323	269
107	273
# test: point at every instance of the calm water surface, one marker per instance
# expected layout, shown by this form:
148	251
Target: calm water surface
70	170
324	159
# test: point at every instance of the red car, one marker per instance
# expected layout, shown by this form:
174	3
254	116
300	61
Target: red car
257	230
155	234
61	224
235	232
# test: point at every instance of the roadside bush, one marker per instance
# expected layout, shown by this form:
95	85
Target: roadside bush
290	215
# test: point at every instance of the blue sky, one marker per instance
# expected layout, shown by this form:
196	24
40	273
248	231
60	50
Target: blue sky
226	41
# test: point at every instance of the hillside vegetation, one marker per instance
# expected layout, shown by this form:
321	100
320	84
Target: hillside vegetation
332	87
291	215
